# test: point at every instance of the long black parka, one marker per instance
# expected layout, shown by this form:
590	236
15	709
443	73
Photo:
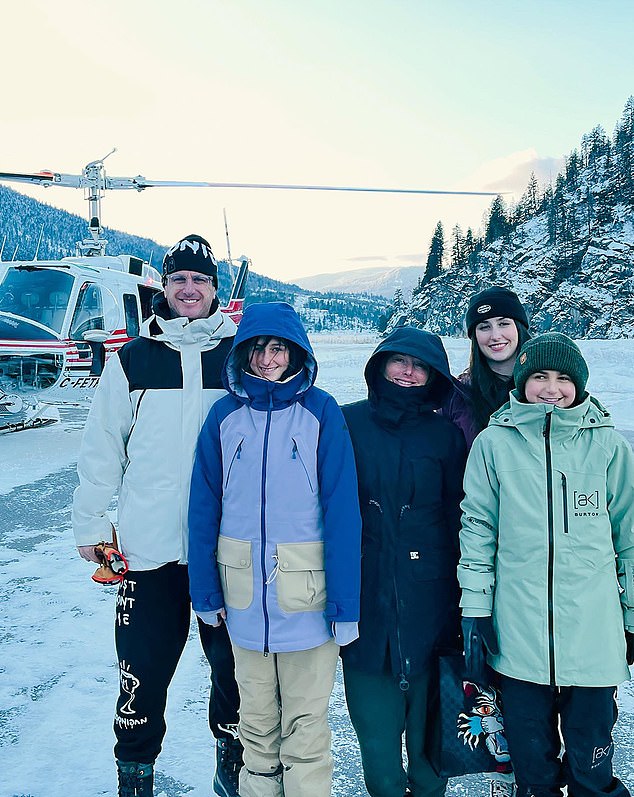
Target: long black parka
410	463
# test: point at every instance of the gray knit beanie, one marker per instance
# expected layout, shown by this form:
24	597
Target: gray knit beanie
551	351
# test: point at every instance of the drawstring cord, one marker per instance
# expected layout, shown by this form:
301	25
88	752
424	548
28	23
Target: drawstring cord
275	570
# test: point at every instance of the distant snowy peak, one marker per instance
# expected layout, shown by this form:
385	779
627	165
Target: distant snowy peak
378	280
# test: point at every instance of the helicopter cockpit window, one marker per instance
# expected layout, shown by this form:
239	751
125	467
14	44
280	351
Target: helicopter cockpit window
88	311
38	294
131	315
146	295
96	308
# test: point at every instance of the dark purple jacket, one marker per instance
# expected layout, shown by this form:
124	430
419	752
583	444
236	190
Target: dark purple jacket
459	410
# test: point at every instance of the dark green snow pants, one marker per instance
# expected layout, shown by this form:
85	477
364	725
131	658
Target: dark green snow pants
381	712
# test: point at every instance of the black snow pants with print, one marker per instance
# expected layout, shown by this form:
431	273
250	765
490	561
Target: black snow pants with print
151	627
534	714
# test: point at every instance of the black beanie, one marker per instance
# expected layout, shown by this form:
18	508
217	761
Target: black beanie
551	351
191	253
494	303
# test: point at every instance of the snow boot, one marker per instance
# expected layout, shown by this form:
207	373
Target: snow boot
228	765
135	780
503	787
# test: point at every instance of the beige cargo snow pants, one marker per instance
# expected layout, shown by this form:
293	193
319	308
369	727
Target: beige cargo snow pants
284	721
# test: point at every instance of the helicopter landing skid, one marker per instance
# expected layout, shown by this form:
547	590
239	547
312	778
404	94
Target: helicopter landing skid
17	414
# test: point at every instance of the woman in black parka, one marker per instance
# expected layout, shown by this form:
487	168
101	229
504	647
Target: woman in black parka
410	462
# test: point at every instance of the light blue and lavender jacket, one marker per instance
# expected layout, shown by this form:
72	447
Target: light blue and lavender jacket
274	521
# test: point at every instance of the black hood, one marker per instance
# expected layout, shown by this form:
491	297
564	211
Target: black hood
417	343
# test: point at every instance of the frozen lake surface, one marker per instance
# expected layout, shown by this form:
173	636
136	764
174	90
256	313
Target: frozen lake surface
58	670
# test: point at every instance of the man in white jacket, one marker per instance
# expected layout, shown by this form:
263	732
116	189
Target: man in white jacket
139	442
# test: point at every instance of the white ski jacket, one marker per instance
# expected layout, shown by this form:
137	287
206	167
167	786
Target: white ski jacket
140	437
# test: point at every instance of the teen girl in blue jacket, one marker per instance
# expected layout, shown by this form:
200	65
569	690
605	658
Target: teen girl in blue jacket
275	536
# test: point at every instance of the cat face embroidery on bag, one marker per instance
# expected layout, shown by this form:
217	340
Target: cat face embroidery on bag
483	721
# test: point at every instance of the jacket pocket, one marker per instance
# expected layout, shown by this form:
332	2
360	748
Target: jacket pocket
299	453
236	573
237	451
301	579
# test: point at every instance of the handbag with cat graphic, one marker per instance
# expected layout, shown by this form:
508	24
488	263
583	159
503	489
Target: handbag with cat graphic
471	734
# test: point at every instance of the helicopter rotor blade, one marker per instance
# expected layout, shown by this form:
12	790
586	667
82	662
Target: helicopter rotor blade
97	180
44	178
140	183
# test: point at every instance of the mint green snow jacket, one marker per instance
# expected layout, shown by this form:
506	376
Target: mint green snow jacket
547	542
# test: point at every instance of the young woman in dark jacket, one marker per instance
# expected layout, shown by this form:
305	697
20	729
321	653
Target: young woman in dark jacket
497	324
410	462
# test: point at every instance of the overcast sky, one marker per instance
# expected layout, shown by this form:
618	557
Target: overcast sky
452	94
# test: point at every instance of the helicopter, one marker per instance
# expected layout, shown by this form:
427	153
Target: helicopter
61	320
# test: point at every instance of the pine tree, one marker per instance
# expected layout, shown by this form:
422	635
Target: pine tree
572	169
458	257
418	288
548	206
531	196
624	151
436	254
498	223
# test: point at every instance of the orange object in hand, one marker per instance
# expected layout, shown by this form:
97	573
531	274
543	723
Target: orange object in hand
113	563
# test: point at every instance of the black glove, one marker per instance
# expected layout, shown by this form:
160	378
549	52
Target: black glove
479	638
629	653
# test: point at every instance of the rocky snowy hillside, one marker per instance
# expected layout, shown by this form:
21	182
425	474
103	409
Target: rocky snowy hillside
567	250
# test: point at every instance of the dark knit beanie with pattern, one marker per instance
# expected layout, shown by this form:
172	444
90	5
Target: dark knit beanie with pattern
191	253
551	351
494	302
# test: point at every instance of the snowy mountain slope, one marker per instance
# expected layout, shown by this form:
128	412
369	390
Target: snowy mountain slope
380	280
595	300
568	251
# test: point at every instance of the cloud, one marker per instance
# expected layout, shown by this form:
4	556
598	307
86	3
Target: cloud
415	260
367	259
511	173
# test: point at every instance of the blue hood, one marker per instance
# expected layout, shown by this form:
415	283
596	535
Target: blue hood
279	320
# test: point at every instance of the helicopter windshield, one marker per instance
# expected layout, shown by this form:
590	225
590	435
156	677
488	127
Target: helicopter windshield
39	294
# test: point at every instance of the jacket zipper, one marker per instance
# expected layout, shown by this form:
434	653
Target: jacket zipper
263	526
236	455
551	545
136	418
405	663
295	454
564	489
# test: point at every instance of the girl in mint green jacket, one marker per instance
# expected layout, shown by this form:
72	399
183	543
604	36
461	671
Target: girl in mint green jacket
547	570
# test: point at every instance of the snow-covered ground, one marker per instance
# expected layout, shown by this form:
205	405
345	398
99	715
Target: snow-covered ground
58	675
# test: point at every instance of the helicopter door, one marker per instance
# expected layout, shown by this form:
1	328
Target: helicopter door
96	309
131	311
146	295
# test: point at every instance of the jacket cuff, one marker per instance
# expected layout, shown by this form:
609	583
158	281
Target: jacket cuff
204	602
476	604
343	612
98	529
